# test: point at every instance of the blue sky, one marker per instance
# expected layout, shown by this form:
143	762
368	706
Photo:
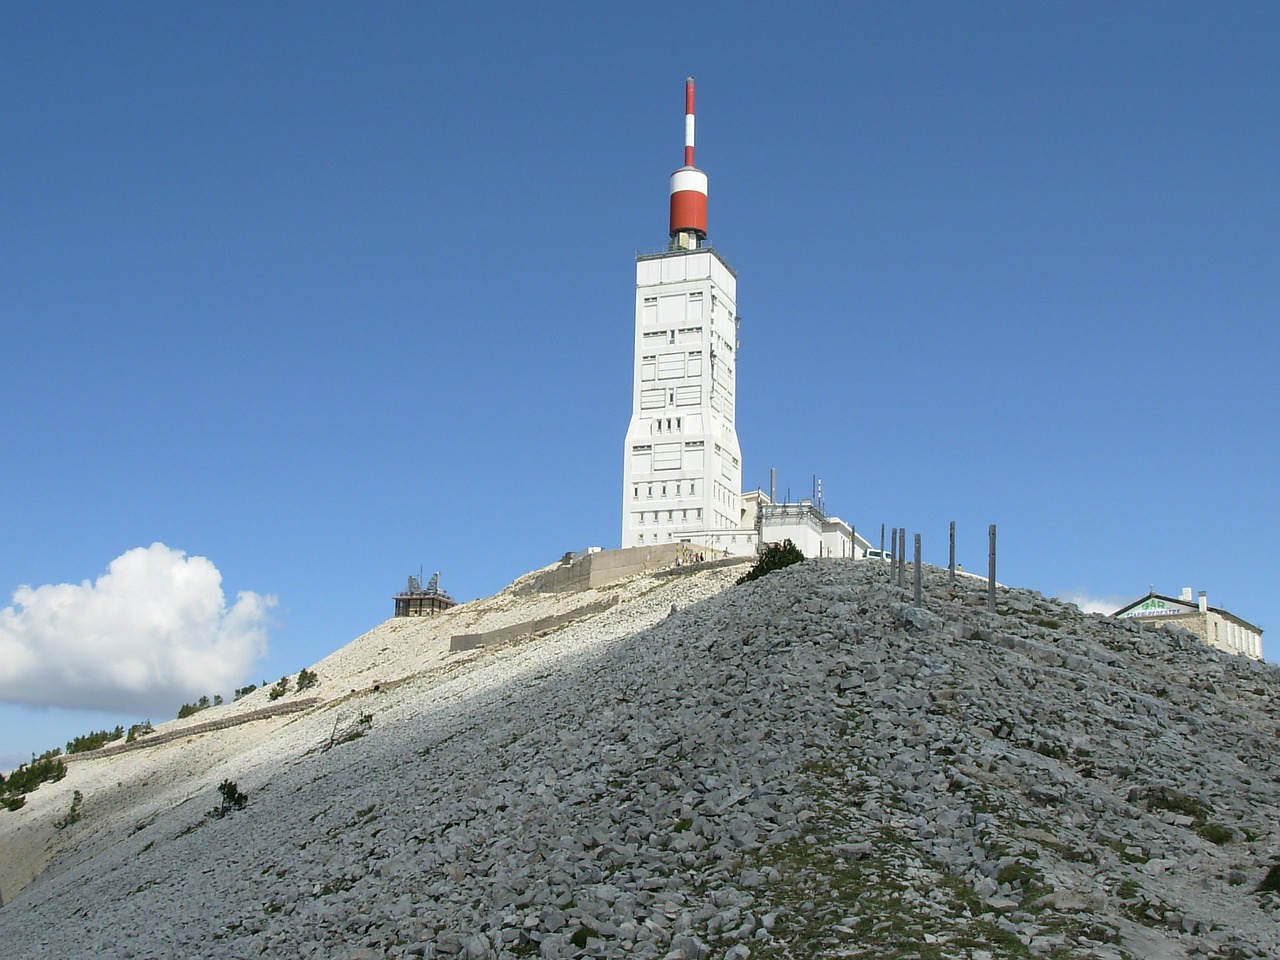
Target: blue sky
314	295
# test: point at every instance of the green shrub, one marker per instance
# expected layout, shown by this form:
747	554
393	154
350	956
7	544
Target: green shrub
42	769
773	557
279	690
139	730
1167	798
92	741
232	799
354	730
1271	882
245	691
307	679
73	815
1216	833
582	935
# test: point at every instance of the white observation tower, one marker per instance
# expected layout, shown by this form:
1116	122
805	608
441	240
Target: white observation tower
682	476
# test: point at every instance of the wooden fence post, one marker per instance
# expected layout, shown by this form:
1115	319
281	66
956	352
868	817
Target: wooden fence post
991	571
919	588
951	568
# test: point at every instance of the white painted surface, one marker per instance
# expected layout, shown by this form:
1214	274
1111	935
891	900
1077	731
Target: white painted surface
682	470
689	178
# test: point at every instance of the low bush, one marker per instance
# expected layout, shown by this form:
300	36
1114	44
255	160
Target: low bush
773	557
1271	882
74	814
232	799
307	679
279	690
1217	833
352	730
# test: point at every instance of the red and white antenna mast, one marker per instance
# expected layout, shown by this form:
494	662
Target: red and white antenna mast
688	189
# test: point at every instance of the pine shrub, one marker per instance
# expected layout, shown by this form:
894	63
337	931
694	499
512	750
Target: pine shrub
232	799
773	557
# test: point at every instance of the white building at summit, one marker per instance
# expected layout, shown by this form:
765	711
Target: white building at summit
683	469
682	472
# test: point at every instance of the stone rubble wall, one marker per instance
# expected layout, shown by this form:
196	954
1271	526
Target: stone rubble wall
206	726
472	641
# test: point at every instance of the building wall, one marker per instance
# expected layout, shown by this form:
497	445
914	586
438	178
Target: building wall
798	522
839	540
1218	631
682	472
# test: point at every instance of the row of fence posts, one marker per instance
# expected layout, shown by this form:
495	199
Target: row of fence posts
898	555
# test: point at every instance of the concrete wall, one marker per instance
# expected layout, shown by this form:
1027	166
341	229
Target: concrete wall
470	641
605	566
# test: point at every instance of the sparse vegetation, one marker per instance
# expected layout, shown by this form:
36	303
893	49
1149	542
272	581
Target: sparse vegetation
307	679
1271	882
773	557
1174	801
42	769
245	691
582	935
139	730
345	732
92	741
73	815
279	690
232	799
1217	833
187	709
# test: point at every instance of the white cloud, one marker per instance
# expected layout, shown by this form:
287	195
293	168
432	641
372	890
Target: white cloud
151	631
1091	604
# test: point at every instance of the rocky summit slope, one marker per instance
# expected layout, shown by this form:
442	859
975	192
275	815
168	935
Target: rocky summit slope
803	766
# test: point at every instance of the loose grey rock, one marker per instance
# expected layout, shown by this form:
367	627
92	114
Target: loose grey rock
803	764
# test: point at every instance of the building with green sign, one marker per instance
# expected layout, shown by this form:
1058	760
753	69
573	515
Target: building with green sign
1213	625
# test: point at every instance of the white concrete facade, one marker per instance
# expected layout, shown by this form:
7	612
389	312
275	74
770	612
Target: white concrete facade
682	473
804	524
